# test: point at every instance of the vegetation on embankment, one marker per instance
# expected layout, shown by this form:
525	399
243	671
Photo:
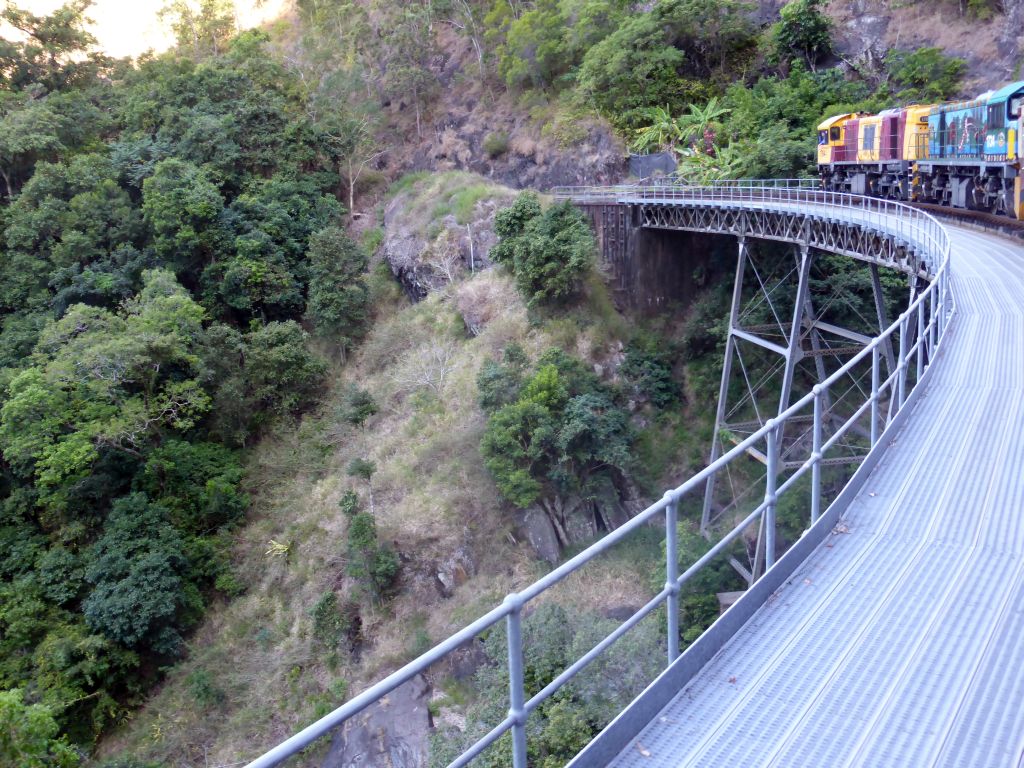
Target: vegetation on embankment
401	427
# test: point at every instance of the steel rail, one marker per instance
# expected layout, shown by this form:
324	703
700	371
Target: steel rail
936	302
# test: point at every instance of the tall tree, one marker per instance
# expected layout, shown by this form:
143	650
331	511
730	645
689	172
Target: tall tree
409	49
28	735
803	32
103	382
54	52
203	27
338	302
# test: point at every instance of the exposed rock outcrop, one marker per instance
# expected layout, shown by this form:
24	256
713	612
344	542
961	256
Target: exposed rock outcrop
1011	41
427	244
393	733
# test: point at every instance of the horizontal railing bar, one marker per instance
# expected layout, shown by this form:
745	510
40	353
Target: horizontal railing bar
492	736
585	660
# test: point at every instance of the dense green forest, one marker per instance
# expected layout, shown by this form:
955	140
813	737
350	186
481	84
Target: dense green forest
168	229
180	280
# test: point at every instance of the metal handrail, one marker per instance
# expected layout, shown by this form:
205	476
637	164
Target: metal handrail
915	227
929	312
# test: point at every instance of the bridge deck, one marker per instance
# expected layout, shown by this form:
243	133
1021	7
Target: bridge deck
899	642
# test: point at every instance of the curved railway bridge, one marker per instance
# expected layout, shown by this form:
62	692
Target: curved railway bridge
891	632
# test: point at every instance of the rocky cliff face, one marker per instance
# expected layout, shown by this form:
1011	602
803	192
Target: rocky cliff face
493	135
994	49
1011	41
393	733
440	229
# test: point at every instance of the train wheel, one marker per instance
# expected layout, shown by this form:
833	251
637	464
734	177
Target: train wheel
976	198
1003	204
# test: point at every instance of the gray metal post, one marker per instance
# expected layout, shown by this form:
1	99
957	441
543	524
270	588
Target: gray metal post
793	348
932	325
875	384
943	302
816	456
770	496
901	366
671	575
811	316
920	342
517	694
883	319
723	390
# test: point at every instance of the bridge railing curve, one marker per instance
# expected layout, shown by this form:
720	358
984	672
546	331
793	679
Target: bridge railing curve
913	227
928	315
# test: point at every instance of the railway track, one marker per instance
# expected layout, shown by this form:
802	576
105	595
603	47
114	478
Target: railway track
988	221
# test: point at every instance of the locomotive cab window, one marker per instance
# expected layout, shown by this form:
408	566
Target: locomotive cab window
836	134
822	138
1016	103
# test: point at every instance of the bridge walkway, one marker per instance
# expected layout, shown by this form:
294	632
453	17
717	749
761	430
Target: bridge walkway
899	642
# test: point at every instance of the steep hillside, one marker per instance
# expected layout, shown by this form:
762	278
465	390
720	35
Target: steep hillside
992	43
260	667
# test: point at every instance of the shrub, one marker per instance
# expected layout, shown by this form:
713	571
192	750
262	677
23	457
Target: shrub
372	564
926	73
495	144
203	689
648	370
357	406
330	625
548	252
803	32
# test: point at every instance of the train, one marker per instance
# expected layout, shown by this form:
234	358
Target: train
965	154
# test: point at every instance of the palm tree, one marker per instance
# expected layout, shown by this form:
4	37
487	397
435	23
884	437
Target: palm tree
700	127
697	167
662	133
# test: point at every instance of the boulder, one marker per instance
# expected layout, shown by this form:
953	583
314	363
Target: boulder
393	733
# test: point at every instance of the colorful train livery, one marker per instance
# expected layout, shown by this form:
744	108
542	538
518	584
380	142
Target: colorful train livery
964	154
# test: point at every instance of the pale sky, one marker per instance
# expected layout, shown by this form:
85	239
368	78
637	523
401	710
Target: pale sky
129	27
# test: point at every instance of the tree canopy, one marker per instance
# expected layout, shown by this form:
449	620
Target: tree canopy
166	227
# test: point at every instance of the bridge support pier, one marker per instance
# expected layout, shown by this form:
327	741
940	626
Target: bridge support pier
794	336
802	321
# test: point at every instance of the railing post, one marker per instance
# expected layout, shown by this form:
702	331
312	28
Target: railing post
517	694
920	342
816	457
672	574
932	323
901	365
770	497
875	358
943	298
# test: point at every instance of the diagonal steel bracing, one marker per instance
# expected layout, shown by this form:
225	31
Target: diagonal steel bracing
804	335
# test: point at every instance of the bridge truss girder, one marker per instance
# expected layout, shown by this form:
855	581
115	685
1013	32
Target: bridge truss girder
855	240
802	338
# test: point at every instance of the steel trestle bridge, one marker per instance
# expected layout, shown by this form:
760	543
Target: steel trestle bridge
891	631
